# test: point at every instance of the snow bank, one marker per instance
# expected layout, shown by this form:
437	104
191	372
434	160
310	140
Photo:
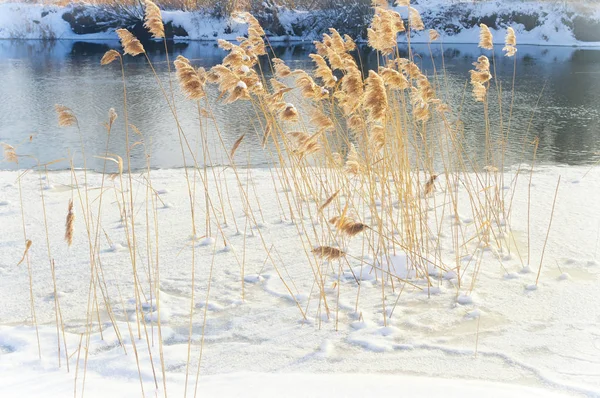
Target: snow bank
502	339
536	22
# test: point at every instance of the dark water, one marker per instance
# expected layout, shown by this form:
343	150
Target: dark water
563	82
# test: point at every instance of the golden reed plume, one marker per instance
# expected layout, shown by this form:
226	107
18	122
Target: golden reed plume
190	79
131	45
347	225
375	99
109	57
10	155
66	117
433	35
153	20
416	23
485	37
328	253
510	42
479	77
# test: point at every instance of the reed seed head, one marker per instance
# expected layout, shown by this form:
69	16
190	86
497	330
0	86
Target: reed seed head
10	155
511	41
511	38
323	71
289	113
66	117
479	92
482	64
109	57
430	184
375	99
416	23
190	79
153	20
485	37
433	35
131	45
70	224
509	50
328	253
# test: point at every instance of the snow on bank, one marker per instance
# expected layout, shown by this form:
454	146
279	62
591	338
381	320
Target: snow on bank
502	332
536	22
17	383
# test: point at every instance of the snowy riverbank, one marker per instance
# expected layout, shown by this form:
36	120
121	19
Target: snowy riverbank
507	330
538	23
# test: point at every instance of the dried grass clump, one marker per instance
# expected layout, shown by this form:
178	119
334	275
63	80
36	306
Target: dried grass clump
328	253
191	80
510	42
109	57
131	45
66	117
485	37
70	224
153	20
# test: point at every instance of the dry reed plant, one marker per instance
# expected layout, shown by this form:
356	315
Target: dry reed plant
345	145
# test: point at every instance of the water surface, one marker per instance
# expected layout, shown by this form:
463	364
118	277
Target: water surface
556	98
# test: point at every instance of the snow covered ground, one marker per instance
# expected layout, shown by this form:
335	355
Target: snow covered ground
535	22
260	330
